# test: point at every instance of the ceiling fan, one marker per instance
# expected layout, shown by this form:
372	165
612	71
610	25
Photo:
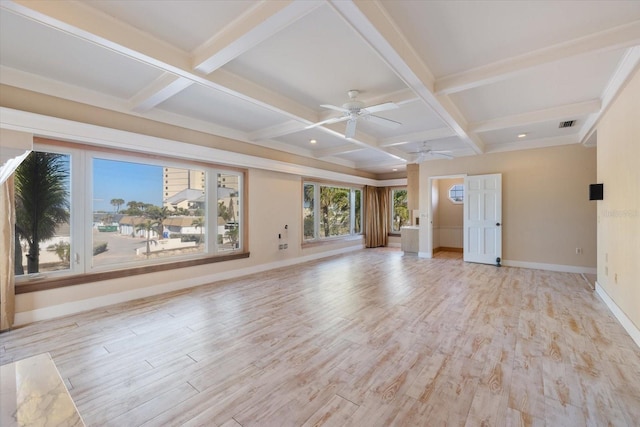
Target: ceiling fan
354	110
423	153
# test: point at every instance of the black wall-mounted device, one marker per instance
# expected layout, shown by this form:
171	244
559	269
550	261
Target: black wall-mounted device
596	191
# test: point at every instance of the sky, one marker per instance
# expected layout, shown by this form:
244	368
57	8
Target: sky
114	179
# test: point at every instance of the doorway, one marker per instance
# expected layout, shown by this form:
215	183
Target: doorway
445	231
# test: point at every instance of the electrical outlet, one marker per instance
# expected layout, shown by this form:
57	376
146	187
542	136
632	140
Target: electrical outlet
286	245
281	246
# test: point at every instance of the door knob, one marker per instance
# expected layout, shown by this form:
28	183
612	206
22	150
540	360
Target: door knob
498	224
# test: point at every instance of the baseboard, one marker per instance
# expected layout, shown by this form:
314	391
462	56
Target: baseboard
447	249
626	323
51	312
394	245
550	267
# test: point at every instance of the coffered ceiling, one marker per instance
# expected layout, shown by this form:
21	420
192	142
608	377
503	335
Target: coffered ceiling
466	77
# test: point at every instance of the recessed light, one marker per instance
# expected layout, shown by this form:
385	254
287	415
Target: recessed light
312	141
522	135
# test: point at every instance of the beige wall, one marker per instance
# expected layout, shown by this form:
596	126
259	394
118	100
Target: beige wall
545	208
435	206
449	229
619	212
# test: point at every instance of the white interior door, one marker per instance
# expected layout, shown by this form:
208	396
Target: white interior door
483	219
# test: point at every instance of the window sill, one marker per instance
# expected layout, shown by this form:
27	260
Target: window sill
332	241
60	282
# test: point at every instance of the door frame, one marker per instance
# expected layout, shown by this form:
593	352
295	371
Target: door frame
430	180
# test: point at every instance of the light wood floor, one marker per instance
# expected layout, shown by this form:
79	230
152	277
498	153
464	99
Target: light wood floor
371	338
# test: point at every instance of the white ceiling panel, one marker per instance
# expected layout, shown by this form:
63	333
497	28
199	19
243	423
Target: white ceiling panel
554	84
185	24
220	108
316	60
533	132
43	51
455	36
323	139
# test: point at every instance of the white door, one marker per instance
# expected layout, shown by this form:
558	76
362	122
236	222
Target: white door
483	219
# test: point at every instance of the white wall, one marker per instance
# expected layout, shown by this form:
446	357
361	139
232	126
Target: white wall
619	212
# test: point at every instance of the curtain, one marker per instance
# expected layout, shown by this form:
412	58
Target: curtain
376	221
7	236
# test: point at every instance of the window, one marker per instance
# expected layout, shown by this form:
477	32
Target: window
43	213
331	211
399	210
456	193
80	212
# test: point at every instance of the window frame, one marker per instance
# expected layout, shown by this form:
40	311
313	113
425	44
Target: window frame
81	222
392	209
317	238
452	188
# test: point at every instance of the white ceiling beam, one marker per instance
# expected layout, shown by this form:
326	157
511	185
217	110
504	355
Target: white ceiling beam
84	22
259	23
342	149
281	129
428	135
561	112
616	38
371	21
163	88
626	68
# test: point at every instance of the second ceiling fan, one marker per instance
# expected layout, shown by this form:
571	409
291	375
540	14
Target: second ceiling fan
354	110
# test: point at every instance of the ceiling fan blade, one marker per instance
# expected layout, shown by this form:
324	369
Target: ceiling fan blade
335	108
350	132
380	107
328	122
440	154
382	121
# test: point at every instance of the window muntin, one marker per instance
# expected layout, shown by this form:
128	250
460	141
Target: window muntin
183	220
399	210
456	193
330	211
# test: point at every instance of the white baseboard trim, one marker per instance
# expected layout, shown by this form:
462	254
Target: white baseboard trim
549	267
26	317
394	245
626	323
425	254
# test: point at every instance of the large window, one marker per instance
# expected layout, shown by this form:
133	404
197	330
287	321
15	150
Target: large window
331	211
43	213
80	212
399	210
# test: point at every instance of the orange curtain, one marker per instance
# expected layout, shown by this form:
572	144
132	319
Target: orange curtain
376	221
7	235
